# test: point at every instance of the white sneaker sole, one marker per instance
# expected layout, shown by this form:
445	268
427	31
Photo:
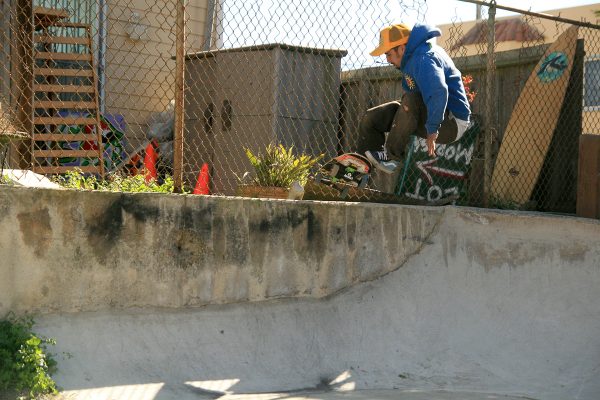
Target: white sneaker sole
371	158
378	165
385	169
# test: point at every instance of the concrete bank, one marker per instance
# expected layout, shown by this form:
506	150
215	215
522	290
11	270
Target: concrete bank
184	297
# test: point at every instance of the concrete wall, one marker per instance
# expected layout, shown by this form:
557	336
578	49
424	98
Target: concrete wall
82	251
356	296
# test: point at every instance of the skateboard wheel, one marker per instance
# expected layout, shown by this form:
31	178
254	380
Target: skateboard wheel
363	181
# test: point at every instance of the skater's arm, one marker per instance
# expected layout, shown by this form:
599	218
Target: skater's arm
434	90
432	83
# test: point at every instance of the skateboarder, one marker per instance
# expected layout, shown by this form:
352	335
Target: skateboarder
434	105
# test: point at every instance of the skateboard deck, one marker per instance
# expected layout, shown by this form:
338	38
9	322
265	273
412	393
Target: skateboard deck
532	122
317	191
346	171
345	178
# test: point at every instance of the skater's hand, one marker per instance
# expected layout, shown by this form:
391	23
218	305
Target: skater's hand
431	138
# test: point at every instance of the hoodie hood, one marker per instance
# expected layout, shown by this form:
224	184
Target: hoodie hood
419	36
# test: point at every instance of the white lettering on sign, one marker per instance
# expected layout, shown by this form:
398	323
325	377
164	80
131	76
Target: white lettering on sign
416	194
434	192
428	167
455	152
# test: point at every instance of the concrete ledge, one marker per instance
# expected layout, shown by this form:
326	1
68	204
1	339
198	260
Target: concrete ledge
68	251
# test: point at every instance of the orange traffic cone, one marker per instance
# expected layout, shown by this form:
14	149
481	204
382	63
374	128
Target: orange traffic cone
150	159
202	184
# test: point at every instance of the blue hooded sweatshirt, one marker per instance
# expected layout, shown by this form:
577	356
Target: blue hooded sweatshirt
428	69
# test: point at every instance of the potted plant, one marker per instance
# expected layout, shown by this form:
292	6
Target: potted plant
275	172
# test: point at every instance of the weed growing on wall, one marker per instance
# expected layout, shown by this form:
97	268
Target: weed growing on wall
115	183
25	365
5	180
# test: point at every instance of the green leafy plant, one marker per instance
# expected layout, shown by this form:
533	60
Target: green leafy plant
6	180
76	179
25	365
280	167
137	183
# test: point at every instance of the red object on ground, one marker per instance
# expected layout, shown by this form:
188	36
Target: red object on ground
202	184
150	160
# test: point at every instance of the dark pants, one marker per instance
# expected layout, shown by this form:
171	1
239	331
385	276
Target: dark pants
400	119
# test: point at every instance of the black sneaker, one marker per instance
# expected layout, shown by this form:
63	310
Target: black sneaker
380	160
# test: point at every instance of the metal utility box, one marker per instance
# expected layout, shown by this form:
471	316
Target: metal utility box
251	96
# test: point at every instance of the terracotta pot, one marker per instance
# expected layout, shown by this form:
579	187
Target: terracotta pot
266	192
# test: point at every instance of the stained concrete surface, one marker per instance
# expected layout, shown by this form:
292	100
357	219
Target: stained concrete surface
453	318
196	297
135	392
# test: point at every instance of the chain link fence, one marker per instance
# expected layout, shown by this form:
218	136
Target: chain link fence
93	85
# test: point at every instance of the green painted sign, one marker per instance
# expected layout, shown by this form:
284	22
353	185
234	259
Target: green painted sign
434	178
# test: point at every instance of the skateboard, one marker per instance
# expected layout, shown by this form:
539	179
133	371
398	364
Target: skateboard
322	192
346	171
346	177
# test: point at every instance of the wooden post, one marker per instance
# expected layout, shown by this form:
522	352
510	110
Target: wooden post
179	106
21	68
588	180
88	32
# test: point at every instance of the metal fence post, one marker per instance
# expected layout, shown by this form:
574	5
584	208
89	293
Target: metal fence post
489	104
179	107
